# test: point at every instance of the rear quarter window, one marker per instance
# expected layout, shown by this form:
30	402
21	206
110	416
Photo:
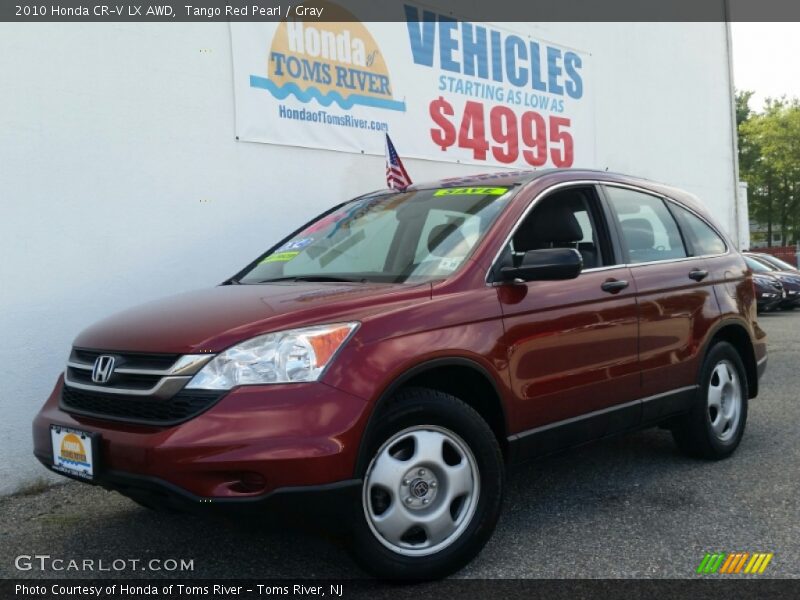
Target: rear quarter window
705	241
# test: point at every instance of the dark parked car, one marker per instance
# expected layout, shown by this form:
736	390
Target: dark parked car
769	292
402	350
789	280
776	262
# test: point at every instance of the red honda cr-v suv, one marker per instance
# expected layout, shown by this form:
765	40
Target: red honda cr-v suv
401	350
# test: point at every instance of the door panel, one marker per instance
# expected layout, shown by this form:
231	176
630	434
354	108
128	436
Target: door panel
675	295
674	312
572	348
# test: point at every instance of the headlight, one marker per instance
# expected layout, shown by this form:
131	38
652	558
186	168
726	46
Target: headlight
282	357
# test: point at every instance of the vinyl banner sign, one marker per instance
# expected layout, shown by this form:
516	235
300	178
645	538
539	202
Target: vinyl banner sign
444	90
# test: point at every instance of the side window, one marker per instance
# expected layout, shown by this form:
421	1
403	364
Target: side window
705	241
564	219
648	229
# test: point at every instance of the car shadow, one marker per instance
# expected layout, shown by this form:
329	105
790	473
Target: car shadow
592	481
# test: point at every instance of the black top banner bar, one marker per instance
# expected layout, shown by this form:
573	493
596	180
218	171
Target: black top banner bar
395	10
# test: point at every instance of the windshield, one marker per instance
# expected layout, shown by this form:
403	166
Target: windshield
777	263
387	237
757	265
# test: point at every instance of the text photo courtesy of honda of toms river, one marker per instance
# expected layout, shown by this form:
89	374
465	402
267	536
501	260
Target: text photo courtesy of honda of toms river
396	355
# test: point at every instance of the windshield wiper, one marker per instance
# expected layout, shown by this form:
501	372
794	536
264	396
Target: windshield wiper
319	278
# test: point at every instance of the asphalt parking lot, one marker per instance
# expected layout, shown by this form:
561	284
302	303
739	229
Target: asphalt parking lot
630	507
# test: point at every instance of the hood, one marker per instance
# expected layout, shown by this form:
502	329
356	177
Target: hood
765	280
789	280
210	320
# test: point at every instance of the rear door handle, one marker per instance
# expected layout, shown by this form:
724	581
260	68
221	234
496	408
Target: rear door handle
698	274
612	286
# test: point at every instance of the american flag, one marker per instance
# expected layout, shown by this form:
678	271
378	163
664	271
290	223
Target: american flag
396	176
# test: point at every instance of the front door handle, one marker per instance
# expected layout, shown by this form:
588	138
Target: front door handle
613	286
698	274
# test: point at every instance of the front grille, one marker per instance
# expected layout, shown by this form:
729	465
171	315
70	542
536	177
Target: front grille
127	381
131	360
149	410
135	387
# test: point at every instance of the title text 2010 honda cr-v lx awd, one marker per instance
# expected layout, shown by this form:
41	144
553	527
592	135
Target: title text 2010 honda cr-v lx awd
400	351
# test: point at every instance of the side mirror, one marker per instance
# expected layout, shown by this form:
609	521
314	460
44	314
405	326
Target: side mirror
547	264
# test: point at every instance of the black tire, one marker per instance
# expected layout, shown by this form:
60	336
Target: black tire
693	433
415	408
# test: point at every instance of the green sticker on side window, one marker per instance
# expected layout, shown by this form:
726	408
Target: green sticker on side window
279	257
471	191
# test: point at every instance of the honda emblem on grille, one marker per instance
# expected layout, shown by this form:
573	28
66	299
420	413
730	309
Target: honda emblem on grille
103	368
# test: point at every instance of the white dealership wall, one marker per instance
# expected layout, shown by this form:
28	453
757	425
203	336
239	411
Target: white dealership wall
121	180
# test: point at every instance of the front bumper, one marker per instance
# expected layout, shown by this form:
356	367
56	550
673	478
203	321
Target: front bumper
768	304
250	447
328	505
792	299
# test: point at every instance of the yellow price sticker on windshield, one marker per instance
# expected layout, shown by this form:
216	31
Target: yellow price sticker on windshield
471	191
279	257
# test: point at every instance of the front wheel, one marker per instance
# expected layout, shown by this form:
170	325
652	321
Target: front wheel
432	488
715	426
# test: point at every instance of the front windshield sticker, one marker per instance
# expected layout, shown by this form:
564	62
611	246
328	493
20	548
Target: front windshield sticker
451	264
280	257
471	191
296	244
341	217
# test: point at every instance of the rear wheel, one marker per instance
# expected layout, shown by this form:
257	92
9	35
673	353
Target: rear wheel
432	488
715	426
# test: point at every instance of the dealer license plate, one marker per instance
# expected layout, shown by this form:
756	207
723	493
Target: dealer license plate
74	451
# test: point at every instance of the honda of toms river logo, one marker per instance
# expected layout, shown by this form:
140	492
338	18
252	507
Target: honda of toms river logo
73	451
328	62
735	563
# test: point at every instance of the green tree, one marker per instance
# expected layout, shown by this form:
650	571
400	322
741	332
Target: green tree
769	161
743	111
748	150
